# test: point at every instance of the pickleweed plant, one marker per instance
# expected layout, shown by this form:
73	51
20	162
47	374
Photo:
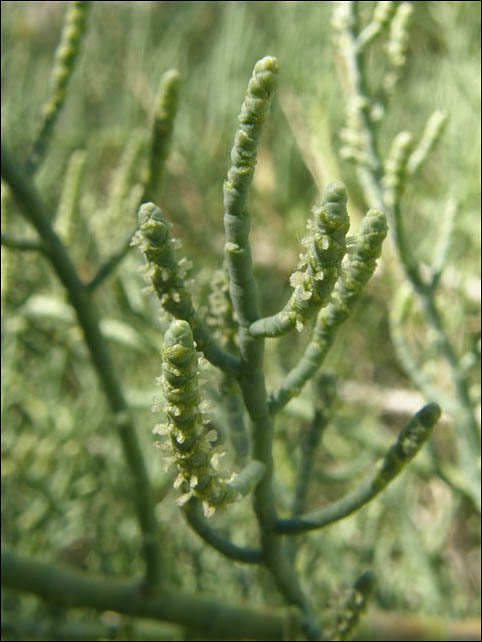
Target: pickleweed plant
230	334
65	58
384	178
189	432
326	289
318	268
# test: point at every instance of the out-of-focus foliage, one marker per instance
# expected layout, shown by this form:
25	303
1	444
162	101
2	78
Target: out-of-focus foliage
64	495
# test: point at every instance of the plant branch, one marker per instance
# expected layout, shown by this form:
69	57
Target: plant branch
25	245
242	288
193	513
74	589
370	178
412	437
325	248
168	274
348	289
165	110
34	211
65	57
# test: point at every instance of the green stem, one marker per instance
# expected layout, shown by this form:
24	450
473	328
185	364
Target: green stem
369	174
65	58
193	513
110	264
325	388
325	391
360	266
25	245
370	177
34	211
242	288
162	129
74	589
412	437
233	404
167	274
325	248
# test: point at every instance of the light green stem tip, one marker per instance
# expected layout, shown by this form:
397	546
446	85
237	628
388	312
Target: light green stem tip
268	63
334	191
171	76
179	332
147	211
429	415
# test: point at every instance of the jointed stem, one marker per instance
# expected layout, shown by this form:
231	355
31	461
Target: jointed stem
370	177
410	440
162	128
87	316
70	588
199	524
65	57
23	245
354	276
242	288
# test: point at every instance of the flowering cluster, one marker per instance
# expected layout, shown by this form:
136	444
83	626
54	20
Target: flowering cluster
189	429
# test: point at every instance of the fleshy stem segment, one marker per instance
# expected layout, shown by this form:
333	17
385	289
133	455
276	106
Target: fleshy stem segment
200	525
35	212
65	57
387	195
319	266
168	274
189	431
354	276
242	289
162	128
355	605
256	104
410	440
164	114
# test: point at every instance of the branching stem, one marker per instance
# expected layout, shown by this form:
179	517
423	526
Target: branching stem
34	211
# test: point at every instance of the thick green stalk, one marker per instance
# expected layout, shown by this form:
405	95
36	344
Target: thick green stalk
320	264
168	275
23	245
162	128
410	440
388	200
65	57
87	316
360	266
211	617
242	288
193	513
356	604
188	430
165	110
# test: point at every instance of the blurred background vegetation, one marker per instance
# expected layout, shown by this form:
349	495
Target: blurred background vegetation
64	494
